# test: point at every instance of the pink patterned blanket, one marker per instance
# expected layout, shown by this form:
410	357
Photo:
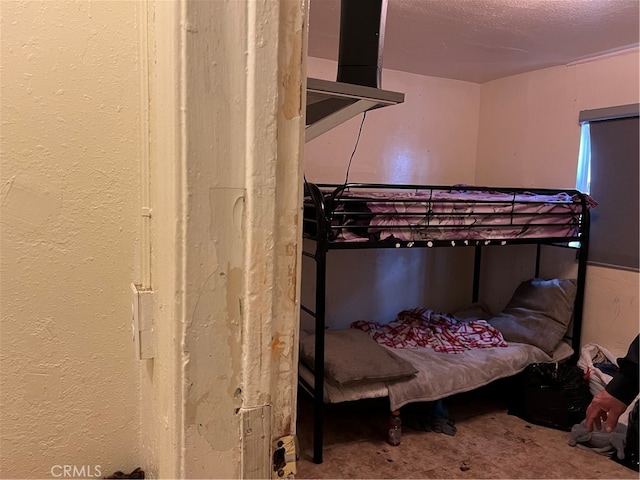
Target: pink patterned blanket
424	328
456	215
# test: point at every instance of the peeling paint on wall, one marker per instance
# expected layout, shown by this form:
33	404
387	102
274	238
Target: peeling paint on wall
214	356
239	283
291	253
292	106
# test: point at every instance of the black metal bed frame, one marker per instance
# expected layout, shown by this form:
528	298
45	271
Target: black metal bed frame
325	205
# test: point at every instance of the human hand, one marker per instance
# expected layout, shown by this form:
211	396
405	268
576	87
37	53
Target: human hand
604	409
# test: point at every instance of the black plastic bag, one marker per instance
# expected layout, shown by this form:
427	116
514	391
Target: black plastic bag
631	449
554	395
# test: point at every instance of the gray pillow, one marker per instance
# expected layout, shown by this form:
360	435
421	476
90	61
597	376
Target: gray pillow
538	313
352	356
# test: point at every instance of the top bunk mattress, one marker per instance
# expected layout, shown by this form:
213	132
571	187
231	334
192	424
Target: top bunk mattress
358	213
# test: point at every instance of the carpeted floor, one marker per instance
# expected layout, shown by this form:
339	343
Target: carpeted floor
489	443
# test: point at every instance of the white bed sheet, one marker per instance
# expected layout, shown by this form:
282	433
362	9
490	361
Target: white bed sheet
443	374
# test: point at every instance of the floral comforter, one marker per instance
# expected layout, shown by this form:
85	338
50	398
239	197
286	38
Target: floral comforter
455	215
419	328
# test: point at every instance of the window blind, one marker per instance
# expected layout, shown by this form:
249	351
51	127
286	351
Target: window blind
614	185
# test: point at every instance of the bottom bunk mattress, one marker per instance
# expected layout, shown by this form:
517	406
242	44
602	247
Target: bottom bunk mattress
530	329
439	375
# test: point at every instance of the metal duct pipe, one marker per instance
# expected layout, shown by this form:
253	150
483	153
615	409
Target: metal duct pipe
362	24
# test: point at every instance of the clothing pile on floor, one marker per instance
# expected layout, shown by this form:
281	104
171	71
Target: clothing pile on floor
601	368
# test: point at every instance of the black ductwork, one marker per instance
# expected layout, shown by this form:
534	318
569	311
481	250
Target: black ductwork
362	24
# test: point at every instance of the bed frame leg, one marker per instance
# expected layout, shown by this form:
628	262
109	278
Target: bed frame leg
476	273
318	385
578	307
318	425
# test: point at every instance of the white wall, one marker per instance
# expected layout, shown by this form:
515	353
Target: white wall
429	139
69	189
226	104
529	136
78	113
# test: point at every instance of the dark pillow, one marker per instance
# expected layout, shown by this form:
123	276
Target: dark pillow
352	356
538	313
475	311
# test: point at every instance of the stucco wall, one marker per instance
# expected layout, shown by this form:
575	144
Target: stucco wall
529	136
69	191
431	139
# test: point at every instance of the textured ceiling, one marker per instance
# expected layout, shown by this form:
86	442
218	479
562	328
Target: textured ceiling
482	40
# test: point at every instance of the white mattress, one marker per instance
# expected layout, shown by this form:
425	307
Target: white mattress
443	374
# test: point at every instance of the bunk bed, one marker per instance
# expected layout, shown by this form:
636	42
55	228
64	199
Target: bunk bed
357	216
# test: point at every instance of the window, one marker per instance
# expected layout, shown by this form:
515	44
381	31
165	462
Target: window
608	171
583	179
